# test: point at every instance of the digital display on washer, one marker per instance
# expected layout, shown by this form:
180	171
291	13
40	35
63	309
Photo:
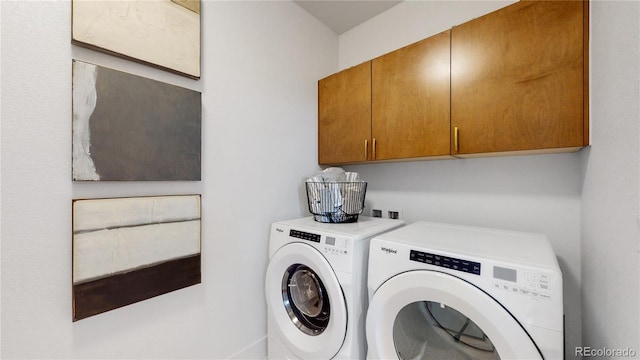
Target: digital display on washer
505	274
304	235
448	262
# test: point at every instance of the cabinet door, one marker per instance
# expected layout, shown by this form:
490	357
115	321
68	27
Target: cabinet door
517	79
411	100
344	116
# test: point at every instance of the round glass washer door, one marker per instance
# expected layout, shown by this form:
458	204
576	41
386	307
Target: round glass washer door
424	314
305	298
305	303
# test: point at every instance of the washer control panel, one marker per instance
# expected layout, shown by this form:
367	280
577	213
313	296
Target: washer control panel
448	262
305	235
336	246
330	244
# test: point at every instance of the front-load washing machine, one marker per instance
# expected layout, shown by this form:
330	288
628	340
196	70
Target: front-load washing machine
440	291
316	287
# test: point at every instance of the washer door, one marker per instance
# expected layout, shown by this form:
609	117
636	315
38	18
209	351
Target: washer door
426	314
306	302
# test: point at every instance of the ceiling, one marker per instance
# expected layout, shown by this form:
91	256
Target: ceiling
342	15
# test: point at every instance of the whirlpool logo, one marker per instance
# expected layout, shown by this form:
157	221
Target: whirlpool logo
388	250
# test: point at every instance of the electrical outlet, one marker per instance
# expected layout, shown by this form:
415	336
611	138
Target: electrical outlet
382	212
395	214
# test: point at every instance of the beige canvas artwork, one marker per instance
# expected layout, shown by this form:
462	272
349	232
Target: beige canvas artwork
162	33
127	250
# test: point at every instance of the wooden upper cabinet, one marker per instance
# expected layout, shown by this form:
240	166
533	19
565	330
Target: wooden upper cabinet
513	80
344	116
519	79
411	100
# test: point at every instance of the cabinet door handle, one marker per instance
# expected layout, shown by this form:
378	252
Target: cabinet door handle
366	148
456	146
374	148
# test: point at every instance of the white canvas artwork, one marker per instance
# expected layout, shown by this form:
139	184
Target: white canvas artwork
127	250
117	235
160	32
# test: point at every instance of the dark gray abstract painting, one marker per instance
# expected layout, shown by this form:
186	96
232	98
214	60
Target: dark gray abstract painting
127	127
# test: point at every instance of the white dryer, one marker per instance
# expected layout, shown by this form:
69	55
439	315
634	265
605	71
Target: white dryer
316	287
440	291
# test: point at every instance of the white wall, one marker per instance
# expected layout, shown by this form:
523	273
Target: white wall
527	193
260	64
261	61
406	23
610	199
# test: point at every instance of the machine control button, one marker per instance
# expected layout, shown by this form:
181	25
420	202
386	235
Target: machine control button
335	251
445	262
304	235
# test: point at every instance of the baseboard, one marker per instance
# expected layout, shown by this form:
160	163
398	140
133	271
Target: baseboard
255	351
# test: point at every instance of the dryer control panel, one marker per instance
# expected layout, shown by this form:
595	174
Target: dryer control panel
448	262
519	281
531	283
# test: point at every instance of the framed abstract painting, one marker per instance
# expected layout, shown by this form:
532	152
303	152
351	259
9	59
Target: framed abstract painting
126	250
162	33
130	128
